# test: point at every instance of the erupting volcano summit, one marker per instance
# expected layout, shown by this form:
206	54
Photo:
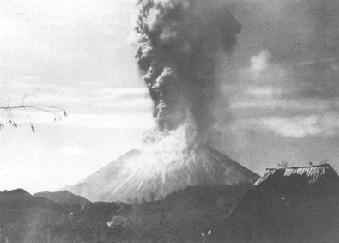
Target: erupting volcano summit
179	44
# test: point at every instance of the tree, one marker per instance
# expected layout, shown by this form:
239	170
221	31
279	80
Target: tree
56	111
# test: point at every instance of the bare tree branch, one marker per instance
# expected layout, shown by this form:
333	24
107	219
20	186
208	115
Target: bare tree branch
45	108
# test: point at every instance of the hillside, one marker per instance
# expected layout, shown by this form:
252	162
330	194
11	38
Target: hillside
23	217
92	185
130	178
182	215
63	197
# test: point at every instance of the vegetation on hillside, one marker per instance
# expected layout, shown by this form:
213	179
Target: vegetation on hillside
180	217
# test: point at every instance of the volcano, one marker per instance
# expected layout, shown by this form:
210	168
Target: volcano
179	47
124	180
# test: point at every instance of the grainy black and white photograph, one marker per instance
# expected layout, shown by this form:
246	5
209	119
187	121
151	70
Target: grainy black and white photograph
169	121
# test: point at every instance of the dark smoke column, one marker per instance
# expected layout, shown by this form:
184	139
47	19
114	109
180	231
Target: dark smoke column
177	45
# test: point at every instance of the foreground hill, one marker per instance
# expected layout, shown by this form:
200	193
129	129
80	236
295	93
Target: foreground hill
63	197
19	199
23	217
180	217
130	178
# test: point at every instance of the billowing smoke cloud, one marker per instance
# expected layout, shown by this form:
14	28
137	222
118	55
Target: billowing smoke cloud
178	46
202	65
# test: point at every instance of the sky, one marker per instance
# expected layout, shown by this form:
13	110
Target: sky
280	88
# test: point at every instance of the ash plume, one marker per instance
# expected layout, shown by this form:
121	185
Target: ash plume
178	45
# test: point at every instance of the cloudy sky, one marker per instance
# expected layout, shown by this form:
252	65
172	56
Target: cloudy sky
281	88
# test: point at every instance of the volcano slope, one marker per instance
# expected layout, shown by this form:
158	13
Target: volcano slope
134	177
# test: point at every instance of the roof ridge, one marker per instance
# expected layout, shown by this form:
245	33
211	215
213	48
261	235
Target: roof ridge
297	167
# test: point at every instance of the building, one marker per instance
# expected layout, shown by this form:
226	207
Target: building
294	204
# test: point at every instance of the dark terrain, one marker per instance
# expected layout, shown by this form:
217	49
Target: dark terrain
180	217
